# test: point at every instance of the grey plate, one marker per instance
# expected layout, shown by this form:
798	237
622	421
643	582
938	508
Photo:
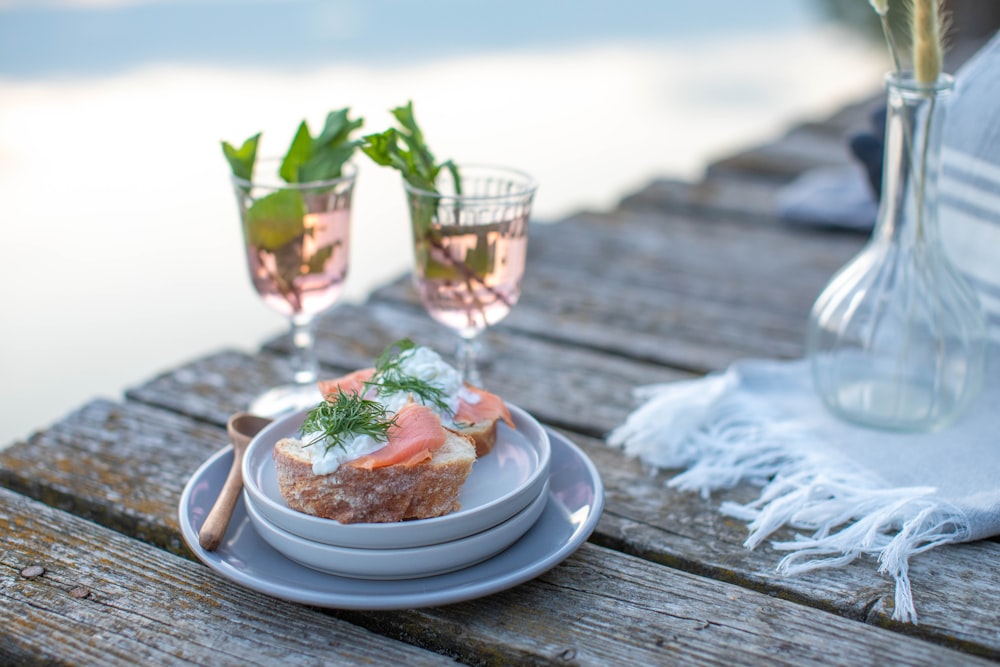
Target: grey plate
576	499
502	483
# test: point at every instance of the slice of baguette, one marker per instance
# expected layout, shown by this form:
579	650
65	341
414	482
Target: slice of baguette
483	434
380	495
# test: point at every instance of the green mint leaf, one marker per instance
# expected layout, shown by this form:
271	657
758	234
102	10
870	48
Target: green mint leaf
405	117
414	160
274	220
307	159
324	157
298	153
456	177
287	268
337	130
241	160
326	164
381	147
482	257
322	255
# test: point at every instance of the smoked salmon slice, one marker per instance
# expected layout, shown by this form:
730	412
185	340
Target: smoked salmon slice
412	439
350	383
489	406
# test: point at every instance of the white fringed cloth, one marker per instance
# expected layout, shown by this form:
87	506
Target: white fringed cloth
852	490
855	491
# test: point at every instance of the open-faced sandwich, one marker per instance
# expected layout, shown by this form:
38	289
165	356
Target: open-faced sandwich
389	443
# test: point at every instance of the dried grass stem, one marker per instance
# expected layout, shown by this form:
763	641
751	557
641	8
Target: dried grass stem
928	27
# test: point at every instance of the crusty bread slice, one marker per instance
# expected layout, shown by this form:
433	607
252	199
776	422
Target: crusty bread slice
379	495
483	434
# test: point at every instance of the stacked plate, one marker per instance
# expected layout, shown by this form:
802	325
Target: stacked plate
502	499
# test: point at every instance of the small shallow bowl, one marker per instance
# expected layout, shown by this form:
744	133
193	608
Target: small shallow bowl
412	563
501	484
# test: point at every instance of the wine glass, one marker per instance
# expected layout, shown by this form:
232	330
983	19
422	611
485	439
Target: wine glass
470	240
296	237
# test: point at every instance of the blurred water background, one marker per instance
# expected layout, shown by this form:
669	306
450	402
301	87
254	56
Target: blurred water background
121	252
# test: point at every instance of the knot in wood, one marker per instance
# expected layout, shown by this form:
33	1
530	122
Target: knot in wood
32	571
80	592
567	654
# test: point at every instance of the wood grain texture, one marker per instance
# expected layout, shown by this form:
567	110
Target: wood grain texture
96	582
120	465
957	598
106	599
780	159
213	387
601	607
719	197
714	292
561	384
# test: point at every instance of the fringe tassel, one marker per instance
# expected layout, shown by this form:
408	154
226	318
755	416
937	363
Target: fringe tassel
723	439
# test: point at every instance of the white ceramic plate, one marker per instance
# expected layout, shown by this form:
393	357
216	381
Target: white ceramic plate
400	563
501	484
576	499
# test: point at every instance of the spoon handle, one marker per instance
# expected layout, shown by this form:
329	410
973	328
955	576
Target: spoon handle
214	528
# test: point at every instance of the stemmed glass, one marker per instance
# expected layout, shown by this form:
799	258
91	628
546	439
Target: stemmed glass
470	240
296	237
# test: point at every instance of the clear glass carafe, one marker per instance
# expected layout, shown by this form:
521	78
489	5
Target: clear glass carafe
897	339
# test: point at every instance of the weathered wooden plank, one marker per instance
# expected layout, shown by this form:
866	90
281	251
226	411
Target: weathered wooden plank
669	289
956	596
709	258
123	466
561	385
144	449
720	197
744	184
600	607
586	390
215	386
782	159
725	250
104	598
658	326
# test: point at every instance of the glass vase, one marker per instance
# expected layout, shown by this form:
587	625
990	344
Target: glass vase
897	339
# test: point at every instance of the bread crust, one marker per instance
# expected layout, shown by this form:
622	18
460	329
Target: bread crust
483	434
379	495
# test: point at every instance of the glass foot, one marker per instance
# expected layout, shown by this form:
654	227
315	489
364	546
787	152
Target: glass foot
285	400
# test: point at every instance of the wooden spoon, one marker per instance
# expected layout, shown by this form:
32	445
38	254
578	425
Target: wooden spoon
242	427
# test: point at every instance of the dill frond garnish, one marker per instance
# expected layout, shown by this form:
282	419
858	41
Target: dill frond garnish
389	377
344	415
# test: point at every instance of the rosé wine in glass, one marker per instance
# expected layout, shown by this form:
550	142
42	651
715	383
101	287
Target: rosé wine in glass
324	244
470	241
469	278
297	240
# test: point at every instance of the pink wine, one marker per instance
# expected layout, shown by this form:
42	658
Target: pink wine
469	276
306	275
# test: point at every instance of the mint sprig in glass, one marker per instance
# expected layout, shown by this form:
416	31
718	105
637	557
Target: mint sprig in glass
295	216
470	233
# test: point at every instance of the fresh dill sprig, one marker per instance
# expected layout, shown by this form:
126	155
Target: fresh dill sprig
389	377
344	415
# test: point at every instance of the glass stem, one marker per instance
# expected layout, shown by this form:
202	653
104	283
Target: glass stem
304	350
468	349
